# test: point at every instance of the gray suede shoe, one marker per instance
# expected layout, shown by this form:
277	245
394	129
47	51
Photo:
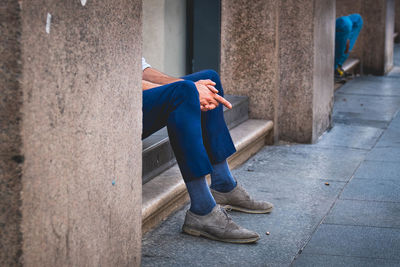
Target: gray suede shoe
238	199
217	225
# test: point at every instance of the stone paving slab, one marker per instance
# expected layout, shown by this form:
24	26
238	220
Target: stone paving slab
360	109
342	261
307	162
370	189
365	213
378	170
395	123
391	138
357	241
350	136
373	86
299	205
385	154
355	118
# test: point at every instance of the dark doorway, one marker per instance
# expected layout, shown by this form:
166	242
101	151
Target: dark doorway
203	34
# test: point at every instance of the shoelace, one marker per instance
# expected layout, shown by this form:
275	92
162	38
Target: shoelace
226	214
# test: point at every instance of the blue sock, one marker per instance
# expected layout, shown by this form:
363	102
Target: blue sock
201	200
221	178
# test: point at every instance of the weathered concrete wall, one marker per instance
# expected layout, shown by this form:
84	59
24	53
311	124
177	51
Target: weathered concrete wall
164	35
378	27
389	32
280	54
81	133
10	133
397	20
249	59
324	49
306	31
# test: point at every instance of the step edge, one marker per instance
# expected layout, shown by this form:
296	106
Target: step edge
176	186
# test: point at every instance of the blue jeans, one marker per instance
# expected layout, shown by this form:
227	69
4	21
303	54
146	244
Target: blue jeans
347	28
198	139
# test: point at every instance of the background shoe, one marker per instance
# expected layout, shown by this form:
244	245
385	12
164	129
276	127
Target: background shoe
340	76
344	73
238	199
217	225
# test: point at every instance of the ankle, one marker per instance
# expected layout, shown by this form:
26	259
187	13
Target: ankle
224	187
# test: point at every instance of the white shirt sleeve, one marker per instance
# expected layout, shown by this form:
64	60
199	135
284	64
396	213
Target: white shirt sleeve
145	64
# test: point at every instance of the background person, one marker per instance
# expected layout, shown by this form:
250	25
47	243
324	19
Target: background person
347	30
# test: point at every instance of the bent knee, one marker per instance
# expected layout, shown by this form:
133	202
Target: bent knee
212	75
357	20
344	24
186	89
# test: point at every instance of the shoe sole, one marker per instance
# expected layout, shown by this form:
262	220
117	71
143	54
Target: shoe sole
230	207
198	233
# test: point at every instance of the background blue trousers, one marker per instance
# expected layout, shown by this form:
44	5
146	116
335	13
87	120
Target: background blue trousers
198	139
347	28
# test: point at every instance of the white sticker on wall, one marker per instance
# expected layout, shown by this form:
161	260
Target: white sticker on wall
83	2
48	22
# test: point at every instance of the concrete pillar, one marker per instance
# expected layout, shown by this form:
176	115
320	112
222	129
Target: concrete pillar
306	47
280	54
378	18
70	140
249	53
397	20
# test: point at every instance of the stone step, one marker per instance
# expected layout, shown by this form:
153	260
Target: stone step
352	65
166	193
157	155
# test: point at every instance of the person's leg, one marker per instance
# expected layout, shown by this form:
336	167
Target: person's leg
219	145
357	21
177	106
343	30
216	137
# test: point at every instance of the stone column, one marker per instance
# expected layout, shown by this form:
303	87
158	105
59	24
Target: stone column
378	16
280	54
306	49
70	114
249	53
397	20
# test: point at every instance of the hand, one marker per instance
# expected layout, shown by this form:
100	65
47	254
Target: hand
209	99
210	84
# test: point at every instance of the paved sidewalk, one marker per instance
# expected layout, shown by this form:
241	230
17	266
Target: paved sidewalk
353	221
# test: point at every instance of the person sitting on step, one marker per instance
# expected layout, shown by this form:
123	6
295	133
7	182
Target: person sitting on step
191	109
347	30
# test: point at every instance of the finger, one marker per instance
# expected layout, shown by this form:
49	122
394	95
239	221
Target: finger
212	106
210	82
212	89
203	102
213	101
223	101
207	82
